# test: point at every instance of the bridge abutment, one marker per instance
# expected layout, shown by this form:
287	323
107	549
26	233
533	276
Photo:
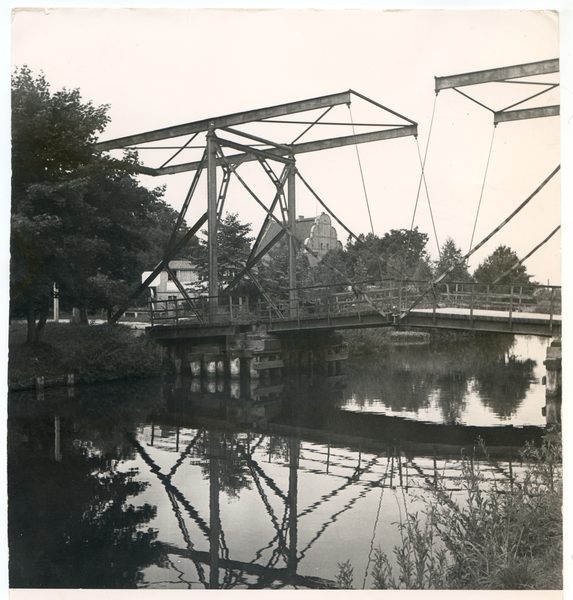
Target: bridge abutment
259	356
553	383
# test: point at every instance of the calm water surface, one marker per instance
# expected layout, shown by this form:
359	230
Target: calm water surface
179	484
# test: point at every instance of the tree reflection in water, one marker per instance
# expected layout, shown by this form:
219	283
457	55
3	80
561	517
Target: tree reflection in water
71	523
76	520
409	378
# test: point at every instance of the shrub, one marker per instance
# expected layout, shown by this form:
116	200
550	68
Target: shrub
508	536
91	352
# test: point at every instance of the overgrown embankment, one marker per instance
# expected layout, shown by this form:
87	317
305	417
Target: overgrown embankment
91	353
494	535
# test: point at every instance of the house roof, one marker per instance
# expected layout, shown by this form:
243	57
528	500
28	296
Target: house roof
181	265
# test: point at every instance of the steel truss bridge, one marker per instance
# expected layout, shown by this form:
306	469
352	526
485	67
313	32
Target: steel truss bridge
224	144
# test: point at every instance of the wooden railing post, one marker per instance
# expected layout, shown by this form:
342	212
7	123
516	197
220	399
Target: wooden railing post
510	304
472	305
551	310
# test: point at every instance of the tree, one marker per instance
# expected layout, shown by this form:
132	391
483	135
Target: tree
233	249
79	219
400	253
450	256
498	263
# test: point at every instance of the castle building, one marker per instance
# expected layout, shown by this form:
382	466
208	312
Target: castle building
316	233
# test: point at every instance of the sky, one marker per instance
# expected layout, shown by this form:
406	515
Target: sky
162	67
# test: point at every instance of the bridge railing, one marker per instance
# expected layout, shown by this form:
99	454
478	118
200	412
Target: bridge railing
389	297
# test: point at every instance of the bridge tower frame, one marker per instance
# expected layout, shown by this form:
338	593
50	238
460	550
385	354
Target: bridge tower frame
222	132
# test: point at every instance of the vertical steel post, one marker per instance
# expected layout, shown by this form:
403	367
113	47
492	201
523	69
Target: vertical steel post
291	210
551	310
292	497
214	511
212	224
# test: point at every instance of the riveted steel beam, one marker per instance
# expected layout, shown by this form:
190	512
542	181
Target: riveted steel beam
525	70
525	113
226	121
300	148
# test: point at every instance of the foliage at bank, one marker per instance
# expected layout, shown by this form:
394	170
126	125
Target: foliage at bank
91	353
79	219
505	535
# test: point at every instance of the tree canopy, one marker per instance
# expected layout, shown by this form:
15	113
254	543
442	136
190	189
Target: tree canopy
451	256
502	262
233	249
79	219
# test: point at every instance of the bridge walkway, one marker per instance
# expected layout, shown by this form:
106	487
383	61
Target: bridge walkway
527	309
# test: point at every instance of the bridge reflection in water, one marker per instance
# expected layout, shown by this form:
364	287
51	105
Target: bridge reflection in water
219	486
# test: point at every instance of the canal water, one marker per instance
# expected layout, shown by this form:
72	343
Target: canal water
177	484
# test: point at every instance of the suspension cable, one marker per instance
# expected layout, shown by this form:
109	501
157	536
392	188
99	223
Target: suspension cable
429	202
483	184
480	244
350	233
361	173
423	179
519	262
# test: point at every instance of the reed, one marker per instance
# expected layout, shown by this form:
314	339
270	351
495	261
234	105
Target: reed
507	535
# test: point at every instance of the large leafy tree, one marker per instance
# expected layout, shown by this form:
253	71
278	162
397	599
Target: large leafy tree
79	219
451	256
399	253
502	262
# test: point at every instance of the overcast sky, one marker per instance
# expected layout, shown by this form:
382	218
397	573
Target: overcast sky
165	67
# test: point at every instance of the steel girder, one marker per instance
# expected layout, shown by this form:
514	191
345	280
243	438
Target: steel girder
295	149
506	74
278	151
227	121
502	74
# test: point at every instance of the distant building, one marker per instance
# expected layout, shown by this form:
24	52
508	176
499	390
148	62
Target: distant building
163	287
316	233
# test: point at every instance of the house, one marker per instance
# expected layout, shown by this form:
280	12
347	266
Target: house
316	233
163	287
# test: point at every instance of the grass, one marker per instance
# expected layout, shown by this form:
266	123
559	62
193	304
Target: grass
91	353
508	536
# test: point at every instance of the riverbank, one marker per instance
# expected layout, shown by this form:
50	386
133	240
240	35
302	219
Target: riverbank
497	535
91	353
379	341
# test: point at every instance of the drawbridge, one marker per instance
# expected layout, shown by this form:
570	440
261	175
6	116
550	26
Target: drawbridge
223	145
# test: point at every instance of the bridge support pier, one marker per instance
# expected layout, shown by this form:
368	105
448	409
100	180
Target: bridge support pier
259	356
235	367
553	384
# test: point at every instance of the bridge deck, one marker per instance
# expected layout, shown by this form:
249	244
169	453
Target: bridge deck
531	310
